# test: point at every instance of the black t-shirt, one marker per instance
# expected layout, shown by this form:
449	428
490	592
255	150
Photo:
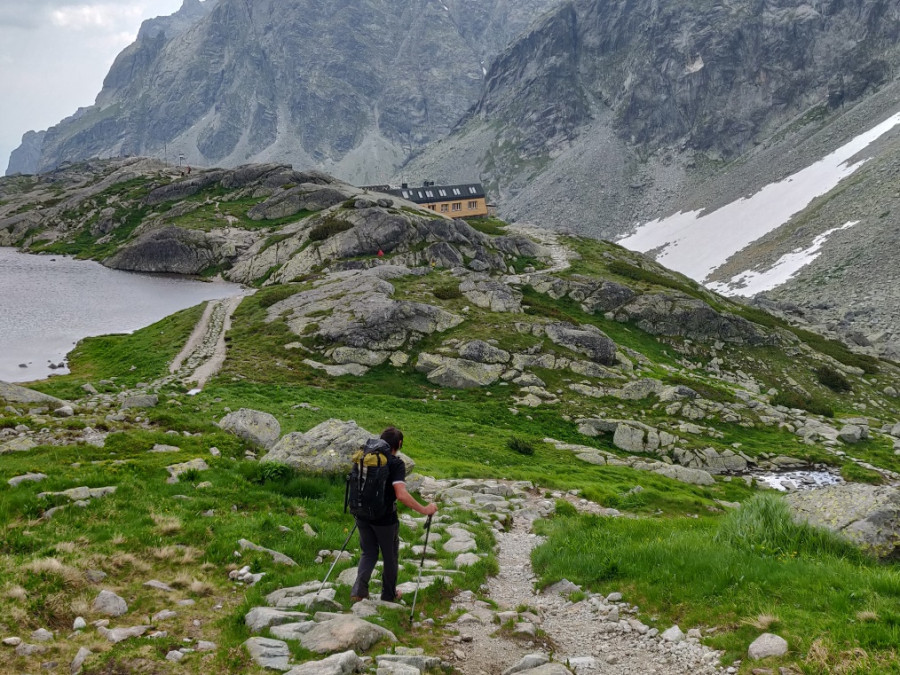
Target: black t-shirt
396	474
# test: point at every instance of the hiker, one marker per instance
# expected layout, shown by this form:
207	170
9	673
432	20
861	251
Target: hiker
383	533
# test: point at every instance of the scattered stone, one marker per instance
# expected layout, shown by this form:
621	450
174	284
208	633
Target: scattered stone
79	660
174	656
79	623
95	576
268	653
164	615
342	633
160	448
280	558
12	641
253	426
28	477
344	663
767	645
117	635
259	618
158	585
867	515
110	604
26	649
175	470
673	634
528	662
140	401
42	635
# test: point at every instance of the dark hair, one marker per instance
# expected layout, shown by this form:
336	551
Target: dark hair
393	437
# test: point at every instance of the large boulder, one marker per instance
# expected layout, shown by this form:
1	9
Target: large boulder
587	339
464	374
342	633
259	428
867	515
13	393
326	448
481	352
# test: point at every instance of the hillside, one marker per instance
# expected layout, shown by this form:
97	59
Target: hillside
633	414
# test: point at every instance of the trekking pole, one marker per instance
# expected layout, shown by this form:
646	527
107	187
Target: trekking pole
337	557
421	565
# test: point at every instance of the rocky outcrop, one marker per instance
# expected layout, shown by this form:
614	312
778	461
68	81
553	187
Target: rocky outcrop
355	309
175	250
675	314
867	515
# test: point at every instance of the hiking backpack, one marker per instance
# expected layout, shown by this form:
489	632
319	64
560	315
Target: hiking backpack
367	483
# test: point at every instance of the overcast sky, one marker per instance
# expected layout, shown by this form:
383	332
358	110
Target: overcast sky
54	55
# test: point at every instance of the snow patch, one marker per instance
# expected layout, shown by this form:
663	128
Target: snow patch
751	282
697	245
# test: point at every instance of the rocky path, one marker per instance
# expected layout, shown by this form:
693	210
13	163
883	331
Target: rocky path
204	352
596	635
559	254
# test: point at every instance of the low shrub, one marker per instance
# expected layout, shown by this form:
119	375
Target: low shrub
564	509
328	228
832	379
793	399
447	292
269	297
764	525
521	446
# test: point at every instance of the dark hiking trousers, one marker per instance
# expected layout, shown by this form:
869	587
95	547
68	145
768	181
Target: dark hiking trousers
374	538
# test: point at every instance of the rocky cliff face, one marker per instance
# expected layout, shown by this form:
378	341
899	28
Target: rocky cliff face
24	158
352	87
607	113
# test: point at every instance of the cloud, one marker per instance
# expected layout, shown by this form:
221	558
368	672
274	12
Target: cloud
105	16
76	14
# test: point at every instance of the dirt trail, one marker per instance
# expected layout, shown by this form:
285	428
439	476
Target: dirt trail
595	636
204	352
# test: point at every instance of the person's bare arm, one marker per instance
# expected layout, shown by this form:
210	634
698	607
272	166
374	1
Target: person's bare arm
408	500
